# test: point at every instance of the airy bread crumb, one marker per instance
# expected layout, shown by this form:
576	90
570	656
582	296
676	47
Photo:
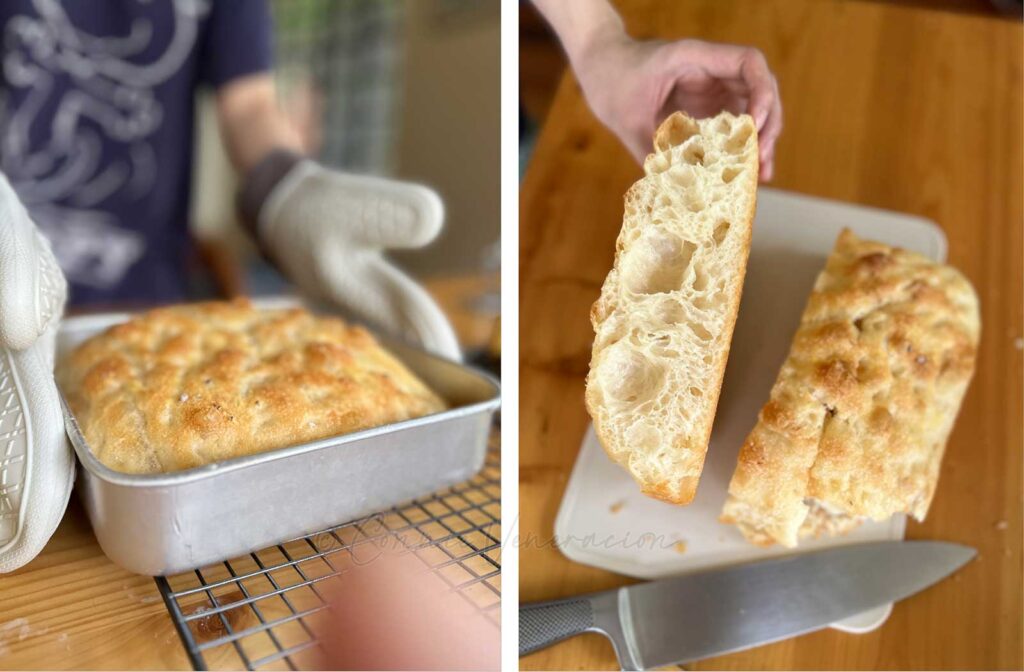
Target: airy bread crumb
664	321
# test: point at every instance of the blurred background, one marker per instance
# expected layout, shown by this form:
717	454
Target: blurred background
541	60
384	87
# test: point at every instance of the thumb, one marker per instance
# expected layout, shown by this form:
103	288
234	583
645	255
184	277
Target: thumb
375	291
404	215
371	211
420	311
32	287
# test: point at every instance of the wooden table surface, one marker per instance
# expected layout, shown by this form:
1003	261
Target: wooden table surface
888	106
72	608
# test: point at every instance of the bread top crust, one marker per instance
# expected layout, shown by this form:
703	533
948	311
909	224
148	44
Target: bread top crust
859	415
663	323
188	385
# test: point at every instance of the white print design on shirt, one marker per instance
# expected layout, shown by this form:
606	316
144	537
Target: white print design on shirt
92	246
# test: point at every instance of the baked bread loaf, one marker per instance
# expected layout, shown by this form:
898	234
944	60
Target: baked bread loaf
188	385
664	321
858	418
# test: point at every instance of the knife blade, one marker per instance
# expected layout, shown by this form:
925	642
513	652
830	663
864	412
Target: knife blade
723	610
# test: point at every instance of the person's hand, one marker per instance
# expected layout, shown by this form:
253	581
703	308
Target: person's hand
633	85
39	464
327	231
394	613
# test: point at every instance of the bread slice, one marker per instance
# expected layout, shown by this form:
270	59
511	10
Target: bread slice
857	421
664	321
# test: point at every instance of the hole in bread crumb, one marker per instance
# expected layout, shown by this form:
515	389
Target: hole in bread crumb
723	126
665	351
700	279
657	263
700	331
721	229
670	312
694	154
657	163
681	175
738	141
708	359
695	391
678	129
627	375
643	436
730	173
695	201
706	302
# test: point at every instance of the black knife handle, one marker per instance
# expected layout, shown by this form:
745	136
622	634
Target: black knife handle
543	623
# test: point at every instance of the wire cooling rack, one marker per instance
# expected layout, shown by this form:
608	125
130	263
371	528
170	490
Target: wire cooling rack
257	611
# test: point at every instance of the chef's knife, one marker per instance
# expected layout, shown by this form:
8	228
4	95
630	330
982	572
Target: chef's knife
710	613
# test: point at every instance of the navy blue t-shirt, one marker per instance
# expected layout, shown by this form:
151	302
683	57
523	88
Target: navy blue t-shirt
97	122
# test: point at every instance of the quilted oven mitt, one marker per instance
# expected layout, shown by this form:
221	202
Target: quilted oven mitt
328	230
37	466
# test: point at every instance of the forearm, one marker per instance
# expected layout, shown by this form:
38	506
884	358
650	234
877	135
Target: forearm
580	23
252	123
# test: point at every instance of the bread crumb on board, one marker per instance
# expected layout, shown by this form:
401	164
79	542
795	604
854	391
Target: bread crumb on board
1001	525
680	547
617	506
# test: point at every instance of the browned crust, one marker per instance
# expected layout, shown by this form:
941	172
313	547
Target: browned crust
862	408
184	386
684	490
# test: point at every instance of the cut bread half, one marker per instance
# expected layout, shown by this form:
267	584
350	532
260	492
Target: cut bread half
665	318
857	422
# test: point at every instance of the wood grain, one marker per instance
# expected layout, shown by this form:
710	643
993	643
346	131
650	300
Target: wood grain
72	608
890	106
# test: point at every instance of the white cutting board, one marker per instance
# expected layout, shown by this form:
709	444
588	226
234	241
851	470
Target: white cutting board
604	521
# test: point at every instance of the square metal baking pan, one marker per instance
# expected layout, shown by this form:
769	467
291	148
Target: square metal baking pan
159	524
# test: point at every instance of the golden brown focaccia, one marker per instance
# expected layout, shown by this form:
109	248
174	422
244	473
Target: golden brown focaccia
858	419
188	385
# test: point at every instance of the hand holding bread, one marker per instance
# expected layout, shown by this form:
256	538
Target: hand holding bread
631	84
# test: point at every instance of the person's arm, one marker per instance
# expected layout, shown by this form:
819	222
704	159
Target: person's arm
633	85
580	23
252	122
325	229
